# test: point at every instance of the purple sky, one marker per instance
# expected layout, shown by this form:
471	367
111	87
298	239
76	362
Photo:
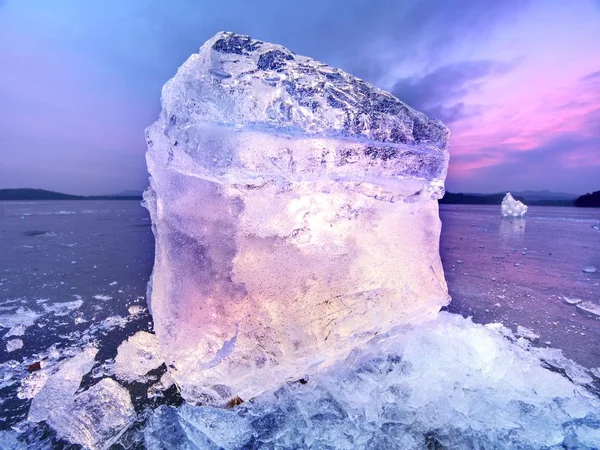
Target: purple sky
518	82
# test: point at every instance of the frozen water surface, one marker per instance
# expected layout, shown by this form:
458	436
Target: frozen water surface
552	245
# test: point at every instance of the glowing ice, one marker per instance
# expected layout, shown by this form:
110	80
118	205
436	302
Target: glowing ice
295	214
97	417
447	384
57	392
137	356
511	207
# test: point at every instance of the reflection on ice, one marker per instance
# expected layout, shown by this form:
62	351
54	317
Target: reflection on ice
512	227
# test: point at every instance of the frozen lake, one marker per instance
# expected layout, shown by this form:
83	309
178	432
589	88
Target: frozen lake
518	271
70	271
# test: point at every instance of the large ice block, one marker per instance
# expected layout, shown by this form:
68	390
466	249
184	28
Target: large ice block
295	213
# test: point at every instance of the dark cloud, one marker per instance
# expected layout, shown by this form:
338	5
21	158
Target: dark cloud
431	92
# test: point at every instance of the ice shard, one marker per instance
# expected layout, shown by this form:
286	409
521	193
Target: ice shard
295	213
512	207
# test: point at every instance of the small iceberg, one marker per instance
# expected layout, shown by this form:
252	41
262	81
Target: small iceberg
511	207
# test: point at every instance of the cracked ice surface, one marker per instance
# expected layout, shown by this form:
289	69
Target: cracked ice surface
511	207
446	384
295	215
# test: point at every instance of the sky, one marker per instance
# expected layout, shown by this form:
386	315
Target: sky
516	81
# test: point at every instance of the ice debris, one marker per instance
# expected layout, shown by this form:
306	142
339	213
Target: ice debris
10	373
589	269
21	319
157	389
572	300
590	309
137	356
96	418
63	308
527	333
136	310
18	330
14	344
58	390
319	223
511	207
447	384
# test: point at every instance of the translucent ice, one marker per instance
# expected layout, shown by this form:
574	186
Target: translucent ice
511	207
97	417
295	214
137	356
64	308
21	319
57	392
447	384
14	344
589	308
527	333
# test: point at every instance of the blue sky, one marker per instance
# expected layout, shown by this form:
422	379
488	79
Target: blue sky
518	82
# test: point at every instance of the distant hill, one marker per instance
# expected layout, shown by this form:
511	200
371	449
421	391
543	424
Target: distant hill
534	196
132	193
42	194
538	198
474	199
589	200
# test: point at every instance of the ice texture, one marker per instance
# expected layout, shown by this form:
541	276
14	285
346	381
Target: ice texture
58	390
511	207
295	213
589	308
19	320
14	344
137	356
97	417
449	383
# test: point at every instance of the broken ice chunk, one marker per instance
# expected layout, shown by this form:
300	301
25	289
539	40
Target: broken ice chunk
589	269
447	384
22	317
572	300
14	344
295	213
527	333
511	207
97	417
57	393
64	308
589	308
18	330
136	310
165	382
137	356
